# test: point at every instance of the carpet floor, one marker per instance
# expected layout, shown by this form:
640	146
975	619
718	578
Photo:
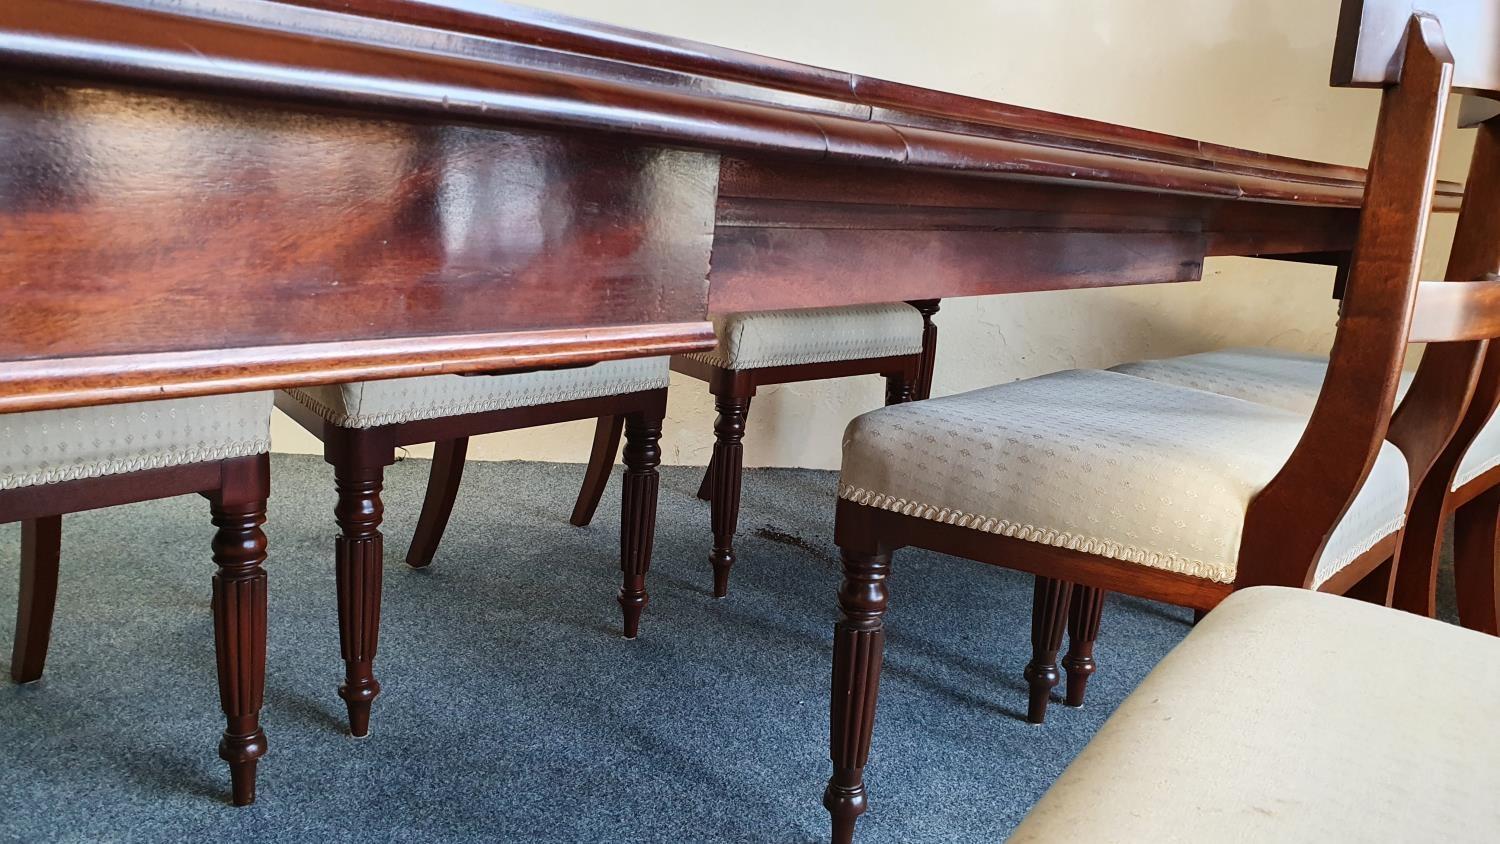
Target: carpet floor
513	710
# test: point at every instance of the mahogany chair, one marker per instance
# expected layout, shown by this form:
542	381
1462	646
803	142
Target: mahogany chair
759	349
55	462
362	424
1106	481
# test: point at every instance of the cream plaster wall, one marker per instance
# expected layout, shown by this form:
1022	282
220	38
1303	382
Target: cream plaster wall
1250	73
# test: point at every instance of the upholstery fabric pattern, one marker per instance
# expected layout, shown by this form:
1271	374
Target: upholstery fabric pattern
1291	381
758	339
1104	463
53	446
1289	715
369	404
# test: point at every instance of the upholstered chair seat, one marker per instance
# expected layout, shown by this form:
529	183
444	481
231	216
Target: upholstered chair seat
1102	462
759	339
1291	381
1289	715
54	446
370	404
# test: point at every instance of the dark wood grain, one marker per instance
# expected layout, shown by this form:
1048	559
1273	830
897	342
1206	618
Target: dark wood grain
1449	311
1448	388
477	187
36	598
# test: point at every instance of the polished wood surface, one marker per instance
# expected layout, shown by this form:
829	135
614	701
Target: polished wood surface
216	195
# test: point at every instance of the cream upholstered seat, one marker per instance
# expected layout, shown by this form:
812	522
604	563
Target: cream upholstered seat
370	404
53	446
1102	462
758	339
1289	715
1288	380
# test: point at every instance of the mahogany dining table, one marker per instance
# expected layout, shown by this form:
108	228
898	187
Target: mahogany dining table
211	196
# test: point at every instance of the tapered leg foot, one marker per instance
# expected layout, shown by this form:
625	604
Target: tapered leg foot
1049	615
1474	558
41	549
844	808
728	463
442	490
638	513
858	649
239	610
1085	608
359	558
601	462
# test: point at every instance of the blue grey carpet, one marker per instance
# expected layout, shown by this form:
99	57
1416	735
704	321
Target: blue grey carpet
513	710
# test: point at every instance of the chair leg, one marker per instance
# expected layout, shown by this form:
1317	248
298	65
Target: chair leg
706	486
238	510
898	388
601	464
728	463
442	491
1049	615
1085	608
41	548
1474	560
858	648
928	308
358	560
638	513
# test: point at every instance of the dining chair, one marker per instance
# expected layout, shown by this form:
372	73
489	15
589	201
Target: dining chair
1097	480
1293	716
361	425
762	348
56	462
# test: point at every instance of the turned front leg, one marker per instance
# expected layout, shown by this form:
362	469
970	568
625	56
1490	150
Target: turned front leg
724	502
638	514
1049	615
359	563
858	647
1085	609
239	611
898	389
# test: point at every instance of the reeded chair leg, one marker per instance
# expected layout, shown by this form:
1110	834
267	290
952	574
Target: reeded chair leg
858	649
1049	615
728	463
437	506
601	463
358	560
928	308
41	548
239	610
899	388
706	486
638	513
1085	608
1474	560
